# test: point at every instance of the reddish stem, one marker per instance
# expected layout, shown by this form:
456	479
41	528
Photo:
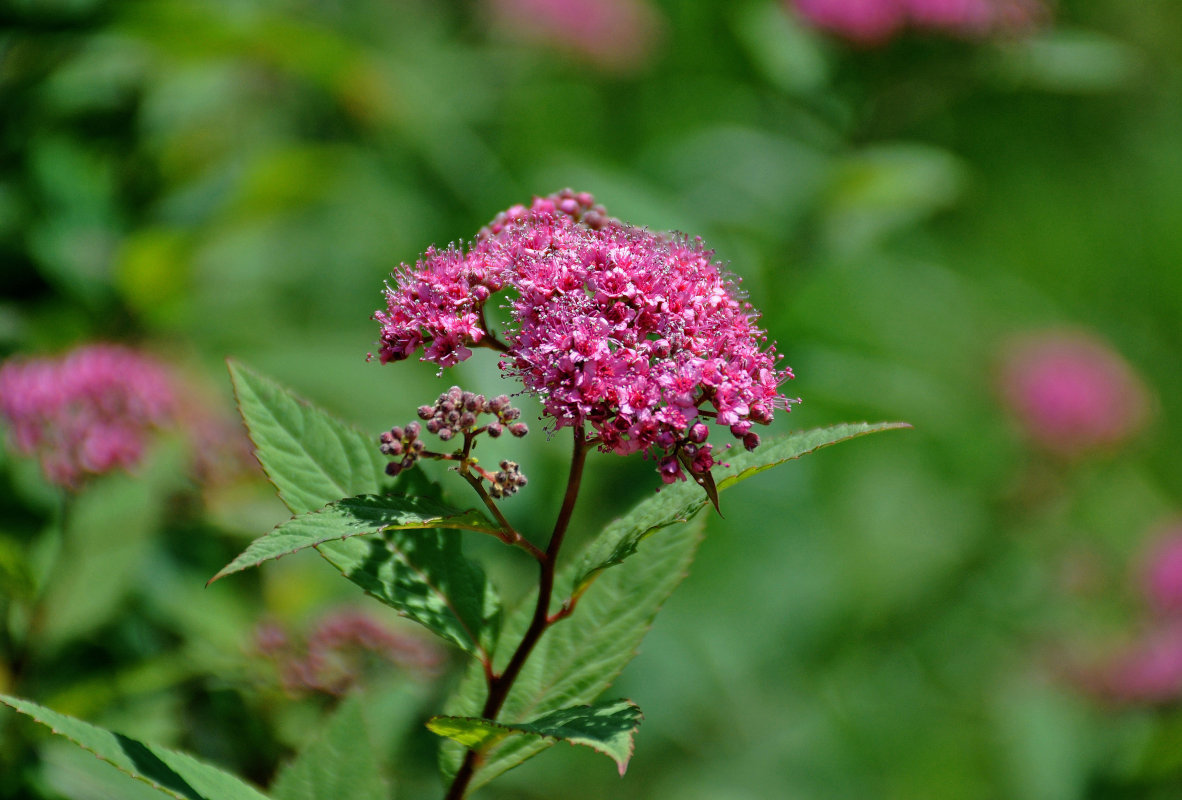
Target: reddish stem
500	685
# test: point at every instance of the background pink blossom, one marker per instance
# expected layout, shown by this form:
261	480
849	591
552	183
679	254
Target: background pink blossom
1071	393
87	412
872	21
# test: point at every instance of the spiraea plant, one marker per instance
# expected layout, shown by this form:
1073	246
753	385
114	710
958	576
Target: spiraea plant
634	343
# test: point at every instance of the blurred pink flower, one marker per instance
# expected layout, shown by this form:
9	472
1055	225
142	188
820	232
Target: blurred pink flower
612	34
1071	393
339	653
88	412
875	21
1162	572
1147	671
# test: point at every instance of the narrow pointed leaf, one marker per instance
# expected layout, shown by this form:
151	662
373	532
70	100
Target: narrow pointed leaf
354	516
175	774
340	762
609	728
315	459
681	501
580	656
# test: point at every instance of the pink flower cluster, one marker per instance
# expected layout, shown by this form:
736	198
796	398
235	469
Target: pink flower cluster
874	21
1071	393
333	659
87	412
637	334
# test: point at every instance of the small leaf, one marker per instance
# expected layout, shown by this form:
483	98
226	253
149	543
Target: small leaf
681	501
609	728
341	762
176	774
354	516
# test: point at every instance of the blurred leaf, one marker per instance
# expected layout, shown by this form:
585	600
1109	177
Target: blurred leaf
152	272
109	530
579	657
877	191
1071	61
680	502
341	763
311	457
608	727
787	55
176	774
743	176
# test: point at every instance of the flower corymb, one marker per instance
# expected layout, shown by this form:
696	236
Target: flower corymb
636	334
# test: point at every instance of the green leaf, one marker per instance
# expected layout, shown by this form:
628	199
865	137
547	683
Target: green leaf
176	774
580	656
424	576
681	501
341	762
312	458
354	516
609	728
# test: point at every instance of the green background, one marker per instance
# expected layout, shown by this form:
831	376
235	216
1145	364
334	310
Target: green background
890	618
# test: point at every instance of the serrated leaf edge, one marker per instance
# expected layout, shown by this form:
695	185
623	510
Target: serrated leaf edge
234	365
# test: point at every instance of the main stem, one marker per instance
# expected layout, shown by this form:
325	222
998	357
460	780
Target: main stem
499	685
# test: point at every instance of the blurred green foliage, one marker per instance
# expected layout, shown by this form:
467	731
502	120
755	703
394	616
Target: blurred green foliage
888	619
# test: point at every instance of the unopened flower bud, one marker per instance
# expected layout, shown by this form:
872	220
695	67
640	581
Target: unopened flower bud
698	432
494	429
519	429
445	433
426	412
751	441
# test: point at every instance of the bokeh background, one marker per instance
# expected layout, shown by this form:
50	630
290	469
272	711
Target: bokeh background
972	227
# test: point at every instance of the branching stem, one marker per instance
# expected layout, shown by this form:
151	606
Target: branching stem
500	685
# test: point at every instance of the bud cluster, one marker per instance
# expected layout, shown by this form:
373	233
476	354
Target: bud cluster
507	480
457	411
404	442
